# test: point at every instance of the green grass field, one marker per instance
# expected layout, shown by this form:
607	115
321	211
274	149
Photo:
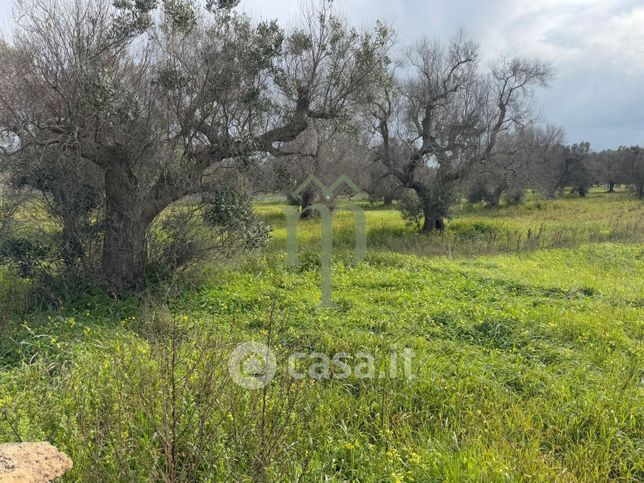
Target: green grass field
525	323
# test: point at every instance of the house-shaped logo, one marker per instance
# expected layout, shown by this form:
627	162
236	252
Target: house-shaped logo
326	227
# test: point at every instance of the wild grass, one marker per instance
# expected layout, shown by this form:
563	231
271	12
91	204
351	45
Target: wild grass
527	358
475	230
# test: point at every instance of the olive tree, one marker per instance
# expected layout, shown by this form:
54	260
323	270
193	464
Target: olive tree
624	165
632	168
450	114
326	150
607	168
514	164
577	169
154	96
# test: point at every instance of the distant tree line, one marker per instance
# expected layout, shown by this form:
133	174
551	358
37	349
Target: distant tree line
533	158
554	167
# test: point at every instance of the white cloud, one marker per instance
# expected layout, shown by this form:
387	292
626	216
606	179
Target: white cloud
597	31
597	49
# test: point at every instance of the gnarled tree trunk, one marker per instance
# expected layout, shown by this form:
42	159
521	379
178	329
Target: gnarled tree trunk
495	198
124	248
433	223
431	220
307	198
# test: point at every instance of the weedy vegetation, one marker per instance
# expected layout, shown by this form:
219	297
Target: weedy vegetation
526	325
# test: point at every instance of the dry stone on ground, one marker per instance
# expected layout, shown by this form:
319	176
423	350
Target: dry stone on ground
31	463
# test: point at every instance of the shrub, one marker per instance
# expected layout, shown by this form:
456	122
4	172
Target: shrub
411	209
222	225
228	207
229	210
514	196
25	254
478	193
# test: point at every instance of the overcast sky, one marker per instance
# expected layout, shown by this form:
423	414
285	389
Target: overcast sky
596	47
